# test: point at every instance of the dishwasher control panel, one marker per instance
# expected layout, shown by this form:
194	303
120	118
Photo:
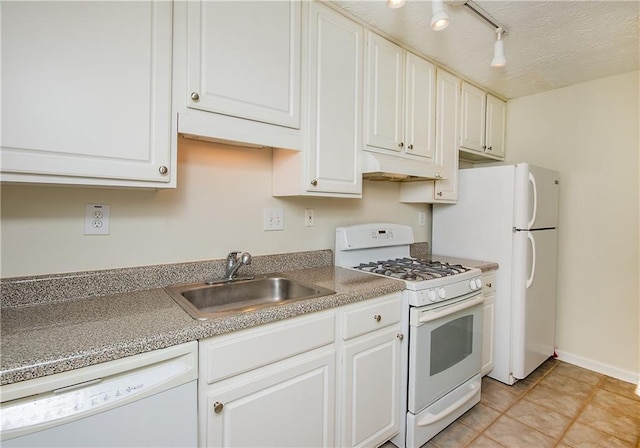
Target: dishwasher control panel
91	390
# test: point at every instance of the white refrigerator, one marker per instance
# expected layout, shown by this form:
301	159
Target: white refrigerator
509	214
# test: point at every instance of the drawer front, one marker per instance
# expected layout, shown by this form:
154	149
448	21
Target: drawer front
374	315
489	283
241	351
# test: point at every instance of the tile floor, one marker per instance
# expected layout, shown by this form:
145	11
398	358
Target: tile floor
558	405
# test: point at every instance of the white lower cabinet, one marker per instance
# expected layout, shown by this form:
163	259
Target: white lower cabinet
325	379
488	324
288	404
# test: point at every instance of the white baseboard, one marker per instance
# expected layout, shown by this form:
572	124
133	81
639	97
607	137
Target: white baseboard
624	375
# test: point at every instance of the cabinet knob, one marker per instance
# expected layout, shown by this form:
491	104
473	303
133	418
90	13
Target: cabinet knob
400	336
163	169
377	318
438	176
489	285
484	146
314	182
489	148
217	407
401	145
439	193
195	96
410	146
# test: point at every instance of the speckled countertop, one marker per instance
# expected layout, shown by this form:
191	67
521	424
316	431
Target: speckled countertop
50	338
62	322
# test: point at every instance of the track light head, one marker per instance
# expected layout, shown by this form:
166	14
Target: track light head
499	59
439	18
394	4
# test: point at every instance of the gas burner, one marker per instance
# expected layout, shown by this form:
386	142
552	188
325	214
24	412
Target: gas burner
412	269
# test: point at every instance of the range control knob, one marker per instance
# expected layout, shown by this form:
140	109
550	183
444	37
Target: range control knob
442	293
472	285
432	295
478	283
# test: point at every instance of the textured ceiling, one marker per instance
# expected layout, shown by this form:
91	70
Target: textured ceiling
549	43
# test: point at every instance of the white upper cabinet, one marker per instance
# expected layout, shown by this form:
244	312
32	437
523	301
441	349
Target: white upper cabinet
400	100
244	59
483	125
86	93
237	71
447	122
329	164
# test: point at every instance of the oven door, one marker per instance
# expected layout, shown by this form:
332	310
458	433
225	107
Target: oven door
445	348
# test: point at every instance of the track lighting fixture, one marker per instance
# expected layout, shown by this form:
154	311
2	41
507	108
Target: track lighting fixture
499	60
439	17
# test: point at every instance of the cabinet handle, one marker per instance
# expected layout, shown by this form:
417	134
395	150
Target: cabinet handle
401	145
489	285
410	147
484	146
217	407
489	148
377	318
314	182
163	169
400	336
195	96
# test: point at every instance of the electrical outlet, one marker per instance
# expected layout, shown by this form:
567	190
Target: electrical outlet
96	219
308	217
422	218
273	219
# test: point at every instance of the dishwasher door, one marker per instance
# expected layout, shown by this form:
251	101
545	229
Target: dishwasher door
146	400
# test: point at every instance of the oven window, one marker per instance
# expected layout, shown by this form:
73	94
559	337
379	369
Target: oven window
451	343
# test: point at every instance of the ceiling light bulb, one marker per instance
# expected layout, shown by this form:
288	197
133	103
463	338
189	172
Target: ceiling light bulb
439	18
499	60
393	4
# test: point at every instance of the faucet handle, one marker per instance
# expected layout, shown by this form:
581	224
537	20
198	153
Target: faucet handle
233	255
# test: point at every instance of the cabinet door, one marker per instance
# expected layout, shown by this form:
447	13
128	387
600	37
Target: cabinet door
496	126
86	92
489	291
335	77
243	59
448	113
384	94
472	126
371	388
420	107
288	404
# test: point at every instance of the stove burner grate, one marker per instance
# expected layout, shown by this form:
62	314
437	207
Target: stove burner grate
412	269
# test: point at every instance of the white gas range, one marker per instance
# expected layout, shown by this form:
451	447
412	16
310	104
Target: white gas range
442	315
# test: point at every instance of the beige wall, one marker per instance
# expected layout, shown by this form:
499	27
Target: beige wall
589	133
217	207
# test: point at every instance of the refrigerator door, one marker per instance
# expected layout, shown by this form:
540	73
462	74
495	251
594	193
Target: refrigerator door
536	191
534	300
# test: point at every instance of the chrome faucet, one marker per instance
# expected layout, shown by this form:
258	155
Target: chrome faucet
234	262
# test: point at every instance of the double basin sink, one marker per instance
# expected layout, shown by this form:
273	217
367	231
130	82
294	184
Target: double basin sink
204	301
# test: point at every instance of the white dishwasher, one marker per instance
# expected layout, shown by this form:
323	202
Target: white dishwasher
146	400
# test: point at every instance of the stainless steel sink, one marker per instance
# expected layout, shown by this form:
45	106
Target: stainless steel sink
204	301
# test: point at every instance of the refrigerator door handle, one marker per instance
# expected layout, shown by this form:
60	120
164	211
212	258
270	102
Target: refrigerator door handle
532	274
532	180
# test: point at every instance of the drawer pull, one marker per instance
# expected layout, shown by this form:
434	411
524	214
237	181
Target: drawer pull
377	318
217	407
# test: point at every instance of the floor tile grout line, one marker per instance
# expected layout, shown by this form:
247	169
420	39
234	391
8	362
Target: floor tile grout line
502	413
580	410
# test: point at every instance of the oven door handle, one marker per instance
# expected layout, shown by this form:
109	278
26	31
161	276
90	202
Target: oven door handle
432	418
439	313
